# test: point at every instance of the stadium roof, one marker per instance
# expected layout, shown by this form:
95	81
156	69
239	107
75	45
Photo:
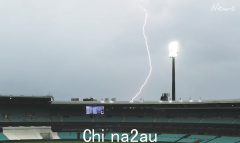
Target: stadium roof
149	102
25	96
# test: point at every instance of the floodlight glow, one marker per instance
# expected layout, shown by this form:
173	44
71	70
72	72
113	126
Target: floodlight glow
173	49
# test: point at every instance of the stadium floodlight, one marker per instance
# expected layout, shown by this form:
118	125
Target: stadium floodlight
173	52
173	49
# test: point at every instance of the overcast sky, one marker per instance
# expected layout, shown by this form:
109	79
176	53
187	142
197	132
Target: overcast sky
83	48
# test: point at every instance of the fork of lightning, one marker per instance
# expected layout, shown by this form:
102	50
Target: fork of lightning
149	57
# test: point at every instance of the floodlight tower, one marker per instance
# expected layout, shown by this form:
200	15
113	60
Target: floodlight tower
173	52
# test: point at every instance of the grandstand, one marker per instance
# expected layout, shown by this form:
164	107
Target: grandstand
39	117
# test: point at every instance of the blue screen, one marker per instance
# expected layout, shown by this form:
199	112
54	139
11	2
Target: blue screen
94	109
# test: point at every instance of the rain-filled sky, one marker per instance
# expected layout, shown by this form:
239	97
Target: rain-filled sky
96	48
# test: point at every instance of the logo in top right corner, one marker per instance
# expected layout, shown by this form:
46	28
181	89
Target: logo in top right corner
218	7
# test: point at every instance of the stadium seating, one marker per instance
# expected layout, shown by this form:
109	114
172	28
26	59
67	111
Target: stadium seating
134	113
151	113
110	119
185	120
41	113
139	119
67	135
224	139
76	119
198	114
236	121
193	138
115	113
170	137
163	114
20	119
231	114
40	119
55	119
224	120
162	120
181	138
4	120
186	140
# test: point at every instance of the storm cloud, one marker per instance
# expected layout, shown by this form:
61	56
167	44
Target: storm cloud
96	48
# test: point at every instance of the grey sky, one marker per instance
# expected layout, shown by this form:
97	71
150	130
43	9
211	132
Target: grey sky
96	48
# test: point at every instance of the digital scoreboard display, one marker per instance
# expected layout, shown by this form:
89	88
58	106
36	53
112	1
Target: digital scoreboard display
94	109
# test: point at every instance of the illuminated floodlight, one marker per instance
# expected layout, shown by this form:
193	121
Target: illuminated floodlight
173	49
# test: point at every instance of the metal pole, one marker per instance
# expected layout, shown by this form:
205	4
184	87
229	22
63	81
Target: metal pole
173	78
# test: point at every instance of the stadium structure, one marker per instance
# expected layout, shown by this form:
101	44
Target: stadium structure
28	118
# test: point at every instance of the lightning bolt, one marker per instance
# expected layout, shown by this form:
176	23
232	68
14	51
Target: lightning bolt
149	57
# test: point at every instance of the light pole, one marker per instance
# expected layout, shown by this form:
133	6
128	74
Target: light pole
173	52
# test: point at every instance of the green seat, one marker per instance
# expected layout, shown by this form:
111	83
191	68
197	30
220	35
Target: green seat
112	119
185	120
216	120
3	137
169	137
186	140
55	119
237	121
76	119
142	119
225	139
161	119
67	135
